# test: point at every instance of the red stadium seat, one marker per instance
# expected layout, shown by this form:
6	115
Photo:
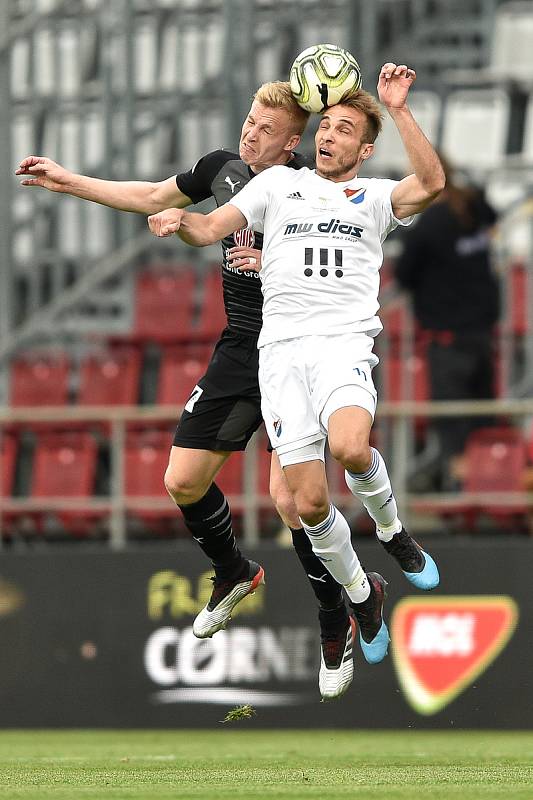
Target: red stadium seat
212	319
145	462
495	460
8	454
39	380
179	371
111	378
64	465
519	293
230	479
395	320
407	379
164	305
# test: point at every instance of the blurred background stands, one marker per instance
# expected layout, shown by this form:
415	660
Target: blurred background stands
96	315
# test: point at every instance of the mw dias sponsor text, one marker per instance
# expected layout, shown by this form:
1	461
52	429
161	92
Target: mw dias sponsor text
330	227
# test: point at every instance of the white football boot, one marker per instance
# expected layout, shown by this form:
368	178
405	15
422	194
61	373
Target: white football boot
225	596
336	661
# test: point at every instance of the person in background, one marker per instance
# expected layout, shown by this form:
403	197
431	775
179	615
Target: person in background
445	266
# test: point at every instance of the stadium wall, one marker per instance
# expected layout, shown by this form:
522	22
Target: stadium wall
105	640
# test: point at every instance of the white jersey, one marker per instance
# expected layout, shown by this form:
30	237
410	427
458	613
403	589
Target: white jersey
322	250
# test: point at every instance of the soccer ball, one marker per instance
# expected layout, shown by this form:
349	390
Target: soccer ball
322	75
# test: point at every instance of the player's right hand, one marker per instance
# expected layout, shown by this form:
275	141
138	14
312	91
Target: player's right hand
166	222
43	172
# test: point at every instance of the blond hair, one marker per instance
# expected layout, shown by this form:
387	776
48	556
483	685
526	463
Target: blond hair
278	94
369	106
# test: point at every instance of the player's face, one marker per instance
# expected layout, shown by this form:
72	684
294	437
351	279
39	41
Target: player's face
340	149
267	137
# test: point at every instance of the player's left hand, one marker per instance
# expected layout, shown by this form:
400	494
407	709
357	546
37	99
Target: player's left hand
165	223
244	258
394	83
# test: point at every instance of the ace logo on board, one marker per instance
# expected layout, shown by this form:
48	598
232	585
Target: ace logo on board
442	644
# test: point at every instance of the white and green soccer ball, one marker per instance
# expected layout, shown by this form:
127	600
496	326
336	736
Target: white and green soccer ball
322	75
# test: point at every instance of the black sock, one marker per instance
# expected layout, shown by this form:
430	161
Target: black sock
327	591
333	618
209	521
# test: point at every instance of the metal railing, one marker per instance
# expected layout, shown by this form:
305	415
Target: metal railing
400	416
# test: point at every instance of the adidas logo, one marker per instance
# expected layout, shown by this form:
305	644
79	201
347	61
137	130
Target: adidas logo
295	196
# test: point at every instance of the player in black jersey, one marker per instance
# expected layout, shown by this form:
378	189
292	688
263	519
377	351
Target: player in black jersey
223	410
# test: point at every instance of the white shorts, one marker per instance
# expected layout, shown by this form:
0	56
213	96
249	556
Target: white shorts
304	380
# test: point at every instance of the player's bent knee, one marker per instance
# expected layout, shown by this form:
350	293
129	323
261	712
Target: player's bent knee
182	490
353	456
312	509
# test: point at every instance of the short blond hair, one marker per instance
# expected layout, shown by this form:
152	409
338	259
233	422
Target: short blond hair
278	94
369	106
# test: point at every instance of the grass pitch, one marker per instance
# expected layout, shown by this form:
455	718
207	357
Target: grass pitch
228	763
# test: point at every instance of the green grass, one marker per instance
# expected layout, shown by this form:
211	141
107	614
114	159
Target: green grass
227	763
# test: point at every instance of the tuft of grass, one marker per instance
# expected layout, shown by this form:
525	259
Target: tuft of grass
238	713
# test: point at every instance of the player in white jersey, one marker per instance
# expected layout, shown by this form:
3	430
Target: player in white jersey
323	233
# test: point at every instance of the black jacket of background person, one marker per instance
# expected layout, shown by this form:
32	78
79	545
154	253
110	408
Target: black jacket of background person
445	266
220	175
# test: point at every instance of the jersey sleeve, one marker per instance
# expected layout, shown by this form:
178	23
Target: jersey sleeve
253	199
197	182
383	207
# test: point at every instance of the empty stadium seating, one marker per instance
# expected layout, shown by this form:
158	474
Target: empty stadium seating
518	319
512	54
164	305
180	369
407	379
64	465
495	460
8	453
110	377
145	462
40	380
212	318
478	119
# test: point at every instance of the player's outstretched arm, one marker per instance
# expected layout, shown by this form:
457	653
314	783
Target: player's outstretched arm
415	192
144	197
197	229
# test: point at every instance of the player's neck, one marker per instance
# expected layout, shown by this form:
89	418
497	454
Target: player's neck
345	177
282	162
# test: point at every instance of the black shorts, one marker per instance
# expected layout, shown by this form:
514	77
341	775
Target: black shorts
224	408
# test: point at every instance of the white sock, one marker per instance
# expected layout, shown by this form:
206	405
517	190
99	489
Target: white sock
373	488
359	590
332	544
386	532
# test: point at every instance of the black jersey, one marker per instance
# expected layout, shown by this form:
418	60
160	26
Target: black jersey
222	174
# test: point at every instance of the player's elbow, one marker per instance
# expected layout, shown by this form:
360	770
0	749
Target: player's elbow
436	183
431	191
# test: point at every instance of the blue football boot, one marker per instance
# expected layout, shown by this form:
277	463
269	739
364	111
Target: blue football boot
417	565
373	633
